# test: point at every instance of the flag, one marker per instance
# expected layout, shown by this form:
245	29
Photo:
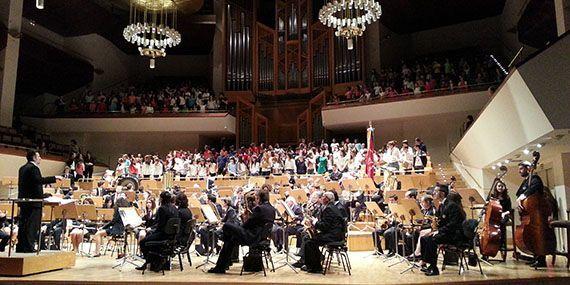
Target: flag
369	160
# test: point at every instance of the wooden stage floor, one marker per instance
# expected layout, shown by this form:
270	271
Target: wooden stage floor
367	269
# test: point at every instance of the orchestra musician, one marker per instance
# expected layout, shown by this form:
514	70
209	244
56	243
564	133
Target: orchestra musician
30	186
502	195
247	234
4	236
525	190
165	212
114	228
295	229
428	210
81	229
388	231
450	230
185	215
330	227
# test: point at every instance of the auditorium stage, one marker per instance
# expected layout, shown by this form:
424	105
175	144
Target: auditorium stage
367	269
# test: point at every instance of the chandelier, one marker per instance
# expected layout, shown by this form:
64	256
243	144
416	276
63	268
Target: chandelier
152	27
350	17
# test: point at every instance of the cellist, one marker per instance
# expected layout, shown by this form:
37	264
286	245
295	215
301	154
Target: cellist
525	190
501	194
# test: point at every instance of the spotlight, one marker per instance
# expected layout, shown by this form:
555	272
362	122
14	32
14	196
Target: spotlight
526	151
40	4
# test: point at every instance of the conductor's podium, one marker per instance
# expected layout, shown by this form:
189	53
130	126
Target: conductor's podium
22	264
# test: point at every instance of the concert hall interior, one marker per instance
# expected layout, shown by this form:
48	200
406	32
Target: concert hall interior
284	141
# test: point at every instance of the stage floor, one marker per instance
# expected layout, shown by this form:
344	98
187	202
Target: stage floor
367	269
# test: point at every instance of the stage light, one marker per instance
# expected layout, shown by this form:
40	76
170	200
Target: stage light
40	4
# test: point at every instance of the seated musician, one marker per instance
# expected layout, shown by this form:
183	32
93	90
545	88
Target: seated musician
358	205
248	234
4	236
524	191
204	230
83	229
450	230
185	215
296	228
388	230
428	210
502	195
165	212
114	228
149	215
331	227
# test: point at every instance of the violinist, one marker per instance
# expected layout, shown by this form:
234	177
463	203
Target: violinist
525	190
248	234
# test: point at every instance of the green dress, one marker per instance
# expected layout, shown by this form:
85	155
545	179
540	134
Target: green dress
322	165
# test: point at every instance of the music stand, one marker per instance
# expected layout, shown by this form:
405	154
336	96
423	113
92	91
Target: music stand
211	219
131	220
288	217
398	210
376	212
86	213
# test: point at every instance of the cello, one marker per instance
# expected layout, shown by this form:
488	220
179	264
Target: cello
534	235
490	236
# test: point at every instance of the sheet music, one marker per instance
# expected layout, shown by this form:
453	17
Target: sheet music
130	217
209	214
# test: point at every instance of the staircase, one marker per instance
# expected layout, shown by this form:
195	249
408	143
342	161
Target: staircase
443	173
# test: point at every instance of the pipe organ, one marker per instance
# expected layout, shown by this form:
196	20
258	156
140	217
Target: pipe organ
239	39
296	55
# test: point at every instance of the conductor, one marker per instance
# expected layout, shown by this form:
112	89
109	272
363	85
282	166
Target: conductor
30	182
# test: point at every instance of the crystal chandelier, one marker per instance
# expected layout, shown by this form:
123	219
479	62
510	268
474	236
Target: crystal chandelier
152	27
350	17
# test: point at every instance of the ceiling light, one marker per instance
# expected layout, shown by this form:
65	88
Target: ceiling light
40	4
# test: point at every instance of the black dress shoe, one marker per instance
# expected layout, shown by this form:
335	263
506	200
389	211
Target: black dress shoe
539	264
432	271
298	264
142	267
390	254
424	268
312	270
216	270
304	268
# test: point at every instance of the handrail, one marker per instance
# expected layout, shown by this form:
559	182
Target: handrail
411	96
467	171
118	114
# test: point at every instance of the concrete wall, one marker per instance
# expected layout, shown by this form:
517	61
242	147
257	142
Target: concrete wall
9	165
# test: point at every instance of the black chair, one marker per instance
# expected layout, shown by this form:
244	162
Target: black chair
165	249
466	247
184	249
339	249
263	247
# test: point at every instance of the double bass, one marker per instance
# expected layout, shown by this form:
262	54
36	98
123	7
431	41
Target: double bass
490	236
534	235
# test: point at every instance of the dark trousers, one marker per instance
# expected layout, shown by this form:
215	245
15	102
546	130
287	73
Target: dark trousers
146	249
88	171
313	254
4	239
55	232
429	246
277	236
389	236
29	228
233	236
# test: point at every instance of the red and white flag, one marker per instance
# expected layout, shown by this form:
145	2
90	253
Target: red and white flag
369	160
